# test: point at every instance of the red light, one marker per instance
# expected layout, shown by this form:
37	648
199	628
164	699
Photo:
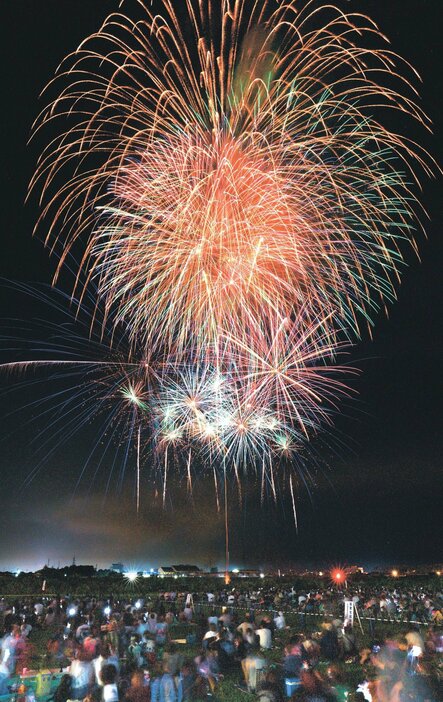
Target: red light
338	576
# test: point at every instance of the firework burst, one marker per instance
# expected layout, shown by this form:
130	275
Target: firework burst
244	174
240	208
231	409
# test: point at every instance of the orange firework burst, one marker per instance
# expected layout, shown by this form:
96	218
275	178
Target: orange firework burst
243	172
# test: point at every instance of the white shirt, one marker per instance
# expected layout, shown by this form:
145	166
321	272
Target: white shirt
280	621
98	664
81	673
110	693
265	637
209	635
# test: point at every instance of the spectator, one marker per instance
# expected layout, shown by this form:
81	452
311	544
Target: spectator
135	657
161	631
109	678
264	636
246	625
63	692
188	682
254	668
270	690
83	677
172	660
329	643
138	691
313	688
279	621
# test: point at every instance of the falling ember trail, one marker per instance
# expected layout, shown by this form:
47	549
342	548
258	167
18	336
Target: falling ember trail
227	576
165	475
293	503
189	476
217	499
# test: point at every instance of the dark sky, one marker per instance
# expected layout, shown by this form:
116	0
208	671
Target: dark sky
376	499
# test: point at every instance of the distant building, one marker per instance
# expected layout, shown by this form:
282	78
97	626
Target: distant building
407	570
354	569
118	567
181	569
245	573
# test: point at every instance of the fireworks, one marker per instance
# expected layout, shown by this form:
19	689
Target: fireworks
231	410
244	175
240	210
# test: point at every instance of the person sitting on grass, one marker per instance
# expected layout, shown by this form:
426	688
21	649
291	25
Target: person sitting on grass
210	635
138	691
63	692
253	666
208	668
188	682
280	621
313	688
251	639
270	690
161	631
224	645
347	642
172	660
264	634
246	625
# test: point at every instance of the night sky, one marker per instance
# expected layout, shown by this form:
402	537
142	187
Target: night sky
376	497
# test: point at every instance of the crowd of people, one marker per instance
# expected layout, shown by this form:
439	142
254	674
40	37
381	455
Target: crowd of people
398	604
182	647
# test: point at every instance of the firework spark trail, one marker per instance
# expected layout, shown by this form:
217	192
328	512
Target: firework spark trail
188	472
293	502
219	408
